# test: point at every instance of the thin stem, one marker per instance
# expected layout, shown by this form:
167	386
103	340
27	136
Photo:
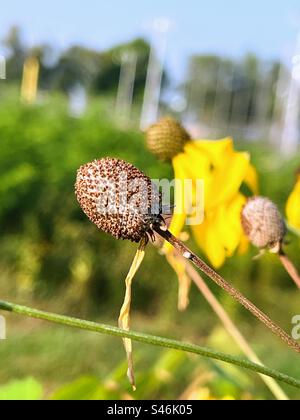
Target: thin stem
239	297
290	268
147	339
232	330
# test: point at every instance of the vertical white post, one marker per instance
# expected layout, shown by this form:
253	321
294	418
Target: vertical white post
290	132
154	73
281	90
2	328
77	101
2	67
126	85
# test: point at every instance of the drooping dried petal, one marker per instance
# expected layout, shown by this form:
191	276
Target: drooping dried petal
263	223
119	198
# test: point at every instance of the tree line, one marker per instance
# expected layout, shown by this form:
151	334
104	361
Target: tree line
239	90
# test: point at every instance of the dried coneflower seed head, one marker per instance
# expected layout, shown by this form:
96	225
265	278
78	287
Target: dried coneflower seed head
118	198
166	138
263	223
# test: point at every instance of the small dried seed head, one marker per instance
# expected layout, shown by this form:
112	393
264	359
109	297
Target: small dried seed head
166	138
263	224
118	198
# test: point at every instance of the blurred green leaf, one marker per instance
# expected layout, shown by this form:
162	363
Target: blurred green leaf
23	389
84	388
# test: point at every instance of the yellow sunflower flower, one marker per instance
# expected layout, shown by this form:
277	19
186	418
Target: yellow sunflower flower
223	171
293	205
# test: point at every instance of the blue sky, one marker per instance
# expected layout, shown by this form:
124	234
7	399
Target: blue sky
229	27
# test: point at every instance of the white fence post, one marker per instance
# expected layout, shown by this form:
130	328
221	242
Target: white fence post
154	73
290	132
2	67
126	85
2	328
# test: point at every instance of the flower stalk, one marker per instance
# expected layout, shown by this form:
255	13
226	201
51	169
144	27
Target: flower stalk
239	297
231	329
289	267
147	339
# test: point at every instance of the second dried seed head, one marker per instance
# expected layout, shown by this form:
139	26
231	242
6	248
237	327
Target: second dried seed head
263	224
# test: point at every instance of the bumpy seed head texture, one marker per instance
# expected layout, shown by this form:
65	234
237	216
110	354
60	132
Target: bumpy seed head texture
263	224
166	138
118	198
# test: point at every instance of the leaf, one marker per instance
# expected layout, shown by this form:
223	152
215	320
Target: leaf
84	388
24	389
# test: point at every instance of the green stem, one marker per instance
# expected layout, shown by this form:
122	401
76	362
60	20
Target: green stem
147	339
234	293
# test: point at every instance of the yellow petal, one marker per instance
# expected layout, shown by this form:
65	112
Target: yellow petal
223	171
195	162
184	282
179	216
215	149
228	221
221	233
228	179
251	179
244	245
293	207
207	237
197	166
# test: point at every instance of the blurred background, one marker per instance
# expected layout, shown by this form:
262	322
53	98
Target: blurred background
81	81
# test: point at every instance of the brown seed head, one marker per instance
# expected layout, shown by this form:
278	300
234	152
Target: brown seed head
263	224
166	138
118	198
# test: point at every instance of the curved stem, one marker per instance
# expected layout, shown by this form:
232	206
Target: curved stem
290	268
232	330
147	339
239	297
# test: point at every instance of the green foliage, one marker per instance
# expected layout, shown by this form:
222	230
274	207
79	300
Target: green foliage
51	253
13	41
45	240
24	389
107	77
204	382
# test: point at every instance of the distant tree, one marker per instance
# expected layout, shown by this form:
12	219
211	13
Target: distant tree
16	53
246	81
275	69
75	65
226	90
208	76
99	72
109	71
